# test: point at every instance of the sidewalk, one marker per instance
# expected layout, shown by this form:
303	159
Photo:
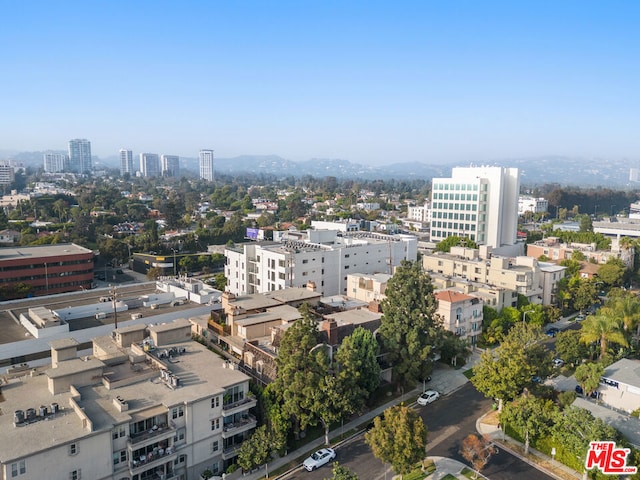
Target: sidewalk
487	425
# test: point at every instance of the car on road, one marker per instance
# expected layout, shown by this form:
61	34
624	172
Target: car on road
319	458
552	331
427	397
558	362
581	317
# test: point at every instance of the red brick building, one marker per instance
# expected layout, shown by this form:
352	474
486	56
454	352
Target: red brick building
44	270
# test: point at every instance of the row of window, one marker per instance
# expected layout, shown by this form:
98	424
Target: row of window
469	207
455	225
457	186
42	265
445	234
456	196
455	216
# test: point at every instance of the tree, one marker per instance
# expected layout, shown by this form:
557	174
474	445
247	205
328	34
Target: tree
399	438
340	472
477	451
627	308
454	241
256	450
588	376
603	328
569	347
529	415
503	373
153	273
409	326
585	295
612	272
358	367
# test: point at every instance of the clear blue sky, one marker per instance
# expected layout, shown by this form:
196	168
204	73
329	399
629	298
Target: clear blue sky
373	82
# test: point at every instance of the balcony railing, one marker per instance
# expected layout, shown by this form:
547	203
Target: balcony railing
151	434
152	459
231	429
245	403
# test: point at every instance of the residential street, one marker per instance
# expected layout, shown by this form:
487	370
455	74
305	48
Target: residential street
448	421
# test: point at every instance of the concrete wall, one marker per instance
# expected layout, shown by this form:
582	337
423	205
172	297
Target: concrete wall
84	311
42	332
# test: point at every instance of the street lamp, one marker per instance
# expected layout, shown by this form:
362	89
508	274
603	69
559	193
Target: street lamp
174	263
524	315
114	296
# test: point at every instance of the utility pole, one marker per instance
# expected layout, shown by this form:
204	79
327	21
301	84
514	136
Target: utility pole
114	299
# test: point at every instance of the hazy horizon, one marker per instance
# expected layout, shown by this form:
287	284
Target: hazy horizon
371	83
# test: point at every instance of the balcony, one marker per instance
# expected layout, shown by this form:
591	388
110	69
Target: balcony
230	452
156	434
239	406
231	429
152	460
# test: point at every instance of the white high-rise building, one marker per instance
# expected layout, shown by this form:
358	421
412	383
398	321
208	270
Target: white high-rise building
480	203
7	173
206	164
170	166
126	162
149	165
80	156
54	162
323	258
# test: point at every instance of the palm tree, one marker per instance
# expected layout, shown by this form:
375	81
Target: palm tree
603	328
627	309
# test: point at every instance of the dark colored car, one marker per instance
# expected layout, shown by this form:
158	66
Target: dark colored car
552	332
119	271
579	391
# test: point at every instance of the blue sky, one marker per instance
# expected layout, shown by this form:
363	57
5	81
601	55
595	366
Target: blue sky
370	82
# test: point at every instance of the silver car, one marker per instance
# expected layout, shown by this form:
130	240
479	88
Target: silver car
319	458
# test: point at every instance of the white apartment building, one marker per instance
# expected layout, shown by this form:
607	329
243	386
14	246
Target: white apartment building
206	165
80	156
461	314
7	174
531	204
126	162
325	258
521	274
170	166
54	162
149	165
480	203
148	404
419	213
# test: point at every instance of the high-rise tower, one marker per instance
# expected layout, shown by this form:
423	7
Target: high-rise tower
149	165
80	156
170	166
206	164
126	162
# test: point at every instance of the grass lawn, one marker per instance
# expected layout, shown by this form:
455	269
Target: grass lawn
467	472
468	373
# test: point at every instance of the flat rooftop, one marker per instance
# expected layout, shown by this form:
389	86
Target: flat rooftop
12	253
354	317
292	294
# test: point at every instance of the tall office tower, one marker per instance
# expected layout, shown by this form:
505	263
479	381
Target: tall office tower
170	166
54	162
149	165
126	162
480	203
206	164
80	156
7	173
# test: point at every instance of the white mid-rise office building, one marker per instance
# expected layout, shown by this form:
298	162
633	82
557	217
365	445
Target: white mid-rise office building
80	156
54	162
149	165
149	403
480	203
126	162
325	258
532	204
170	165
206	164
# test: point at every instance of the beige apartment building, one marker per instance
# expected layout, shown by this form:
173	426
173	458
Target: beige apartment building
461	314
150	403
367	288
524	275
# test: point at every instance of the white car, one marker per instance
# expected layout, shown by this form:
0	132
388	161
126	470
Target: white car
319	458
429	396
558	362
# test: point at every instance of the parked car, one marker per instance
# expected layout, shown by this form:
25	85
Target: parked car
536	379
581	317
427	397
552	331
319	458
558	362
579	391
119	271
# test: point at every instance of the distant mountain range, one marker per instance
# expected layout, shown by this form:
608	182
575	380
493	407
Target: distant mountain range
585	172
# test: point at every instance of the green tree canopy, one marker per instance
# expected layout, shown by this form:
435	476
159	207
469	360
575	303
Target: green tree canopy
530	416
399	438
454	241
409	326
588	376
569	348
612	272
603	328
341	472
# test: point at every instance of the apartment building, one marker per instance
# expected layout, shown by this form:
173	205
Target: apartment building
491	295
521	274
419	213
461	314
148	404
367	288
126	162
54	162
206	165
556	251
480	203
149	165
532	204
170	165
324	258
80	160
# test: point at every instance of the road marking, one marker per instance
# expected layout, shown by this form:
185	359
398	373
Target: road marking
442	437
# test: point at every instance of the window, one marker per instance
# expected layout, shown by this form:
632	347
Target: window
215	402
18	468
73	449
119	457
215	424
215	446
75	475
179	436
119	432
180	459
177	412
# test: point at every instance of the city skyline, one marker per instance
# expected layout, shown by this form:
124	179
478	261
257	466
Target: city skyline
370	83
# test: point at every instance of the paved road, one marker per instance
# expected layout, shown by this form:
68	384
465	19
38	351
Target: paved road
449	421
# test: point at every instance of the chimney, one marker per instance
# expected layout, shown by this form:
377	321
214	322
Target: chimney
374	306
311	286
331	327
